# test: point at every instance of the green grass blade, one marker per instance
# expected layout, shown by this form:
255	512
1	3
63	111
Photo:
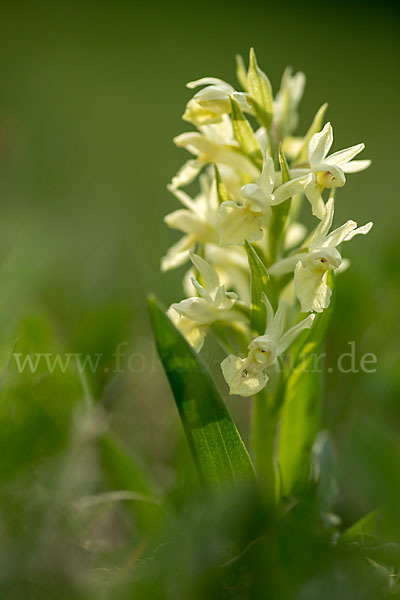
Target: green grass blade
123	472
364	530
215	443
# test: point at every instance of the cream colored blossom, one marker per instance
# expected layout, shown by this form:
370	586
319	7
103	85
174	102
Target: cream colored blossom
247	220
311	267
213	143
248	376
193	315
209	104
197	221
328	171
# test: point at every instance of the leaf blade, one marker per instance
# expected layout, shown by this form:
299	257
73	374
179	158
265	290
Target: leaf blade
259	279
260	91
217	448
300	416
244	134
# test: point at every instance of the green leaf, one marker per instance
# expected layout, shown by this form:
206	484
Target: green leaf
123	472
300	416
279	214
364	530
260	91
259	283
241	72
244	134
315	126
221	189
215	443
284	166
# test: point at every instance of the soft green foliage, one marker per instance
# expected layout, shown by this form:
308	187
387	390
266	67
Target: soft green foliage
302	405
260	90
259	284
216	446
244	134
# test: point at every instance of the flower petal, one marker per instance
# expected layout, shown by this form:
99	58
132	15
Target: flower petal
191	331
267	178
290	188
209	81
360	230
313	195
185	221
286	265
187	173
195	142
344	156
241	376
320	145
256	197
275	327
292	333
321	231
235	224
340	234
178	254
196	309
269	309
355	166
211	280
311	289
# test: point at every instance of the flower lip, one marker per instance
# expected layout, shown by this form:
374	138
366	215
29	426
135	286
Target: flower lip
263	350
325	258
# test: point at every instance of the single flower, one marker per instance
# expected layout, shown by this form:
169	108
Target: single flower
247	220
212	101
192	316
311	266
248	376
329	171
212	144
197	221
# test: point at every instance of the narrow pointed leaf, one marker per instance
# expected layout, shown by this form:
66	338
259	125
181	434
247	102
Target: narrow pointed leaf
215	443
241	72
221	189
365	529
244	134
280	214
259	283
260	91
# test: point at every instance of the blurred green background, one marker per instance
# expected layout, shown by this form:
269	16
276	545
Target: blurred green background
91	95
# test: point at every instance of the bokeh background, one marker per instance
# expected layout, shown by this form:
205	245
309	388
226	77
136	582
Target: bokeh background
91	95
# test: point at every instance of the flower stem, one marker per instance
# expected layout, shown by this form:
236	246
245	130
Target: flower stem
264	422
